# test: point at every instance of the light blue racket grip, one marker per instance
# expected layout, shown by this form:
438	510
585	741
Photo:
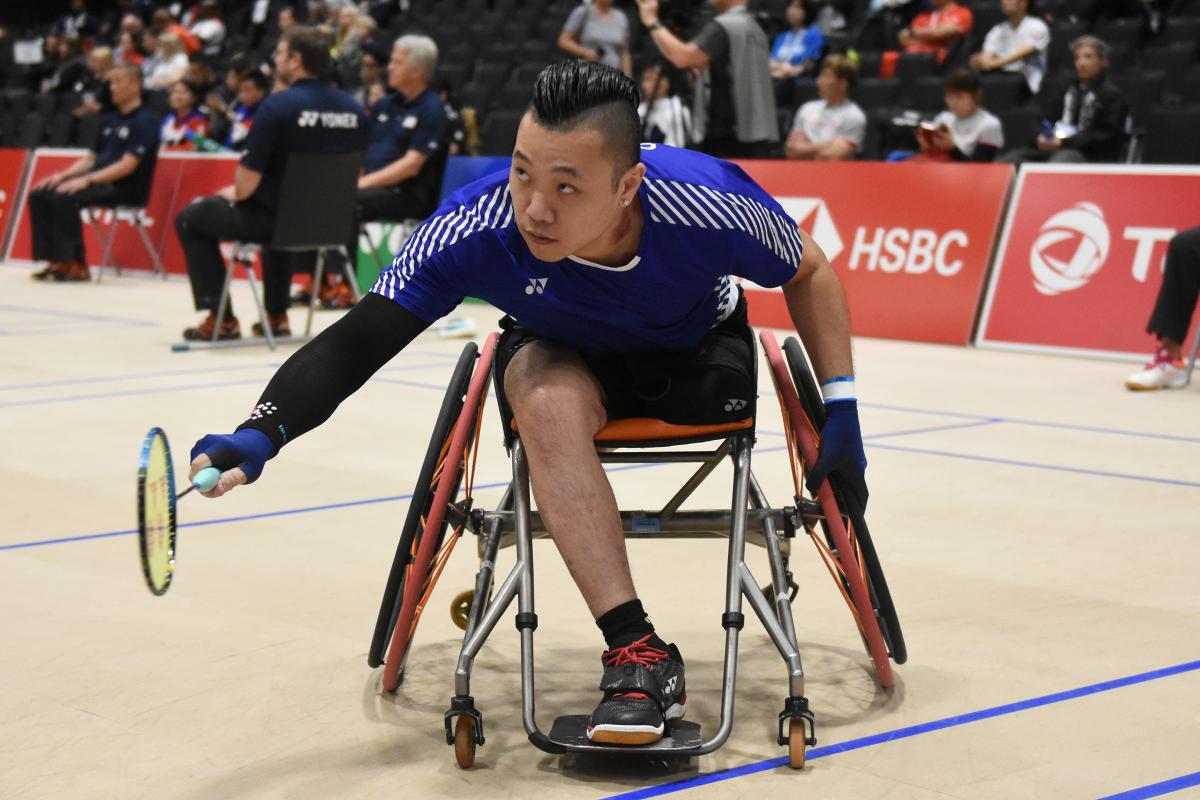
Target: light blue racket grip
206	479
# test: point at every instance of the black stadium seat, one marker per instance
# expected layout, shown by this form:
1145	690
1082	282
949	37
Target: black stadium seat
1171	58
1020	126
10	125
928	95
512	96
1002	90
46	104
1182	30
1171	136
873	93
87	130
1141	90
59	134
499	132
1119	32
490	75
19	101
33	126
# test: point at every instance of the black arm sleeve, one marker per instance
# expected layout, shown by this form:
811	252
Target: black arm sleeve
319	376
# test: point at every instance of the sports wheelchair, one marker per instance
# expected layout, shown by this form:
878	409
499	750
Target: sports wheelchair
442	509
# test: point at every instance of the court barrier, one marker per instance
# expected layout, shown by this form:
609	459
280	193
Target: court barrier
1081	257
919	248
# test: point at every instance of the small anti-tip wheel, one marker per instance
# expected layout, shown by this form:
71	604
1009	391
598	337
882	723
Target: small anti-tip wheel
464	742
460	608
796	743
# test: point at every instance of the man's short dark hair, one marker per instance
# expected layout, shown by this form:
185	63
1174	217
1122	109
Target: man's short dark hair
843	68
312	46
257	77
575	94
962	80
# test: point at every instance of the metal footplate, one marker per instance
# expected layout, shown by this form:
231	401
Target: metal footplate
681	739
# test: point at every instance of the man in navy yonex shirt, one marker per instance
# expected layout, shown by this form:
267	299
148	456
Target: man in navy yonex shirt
613	262
311	116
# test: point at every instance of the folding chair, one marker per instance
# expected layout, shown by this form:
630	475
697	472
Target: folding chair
135	216
315	214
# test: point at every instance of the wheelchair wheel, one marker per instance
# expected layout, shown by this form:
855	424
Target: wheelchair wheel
464	742
881	596
423	549
796	743
802	448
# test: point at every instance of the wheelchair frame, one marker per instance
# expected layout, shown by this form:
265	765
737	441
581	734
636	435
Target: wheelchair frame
423	550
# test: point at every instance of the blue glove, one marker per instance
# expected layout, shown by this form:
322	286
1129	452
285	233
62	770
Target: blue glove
841	451
248	449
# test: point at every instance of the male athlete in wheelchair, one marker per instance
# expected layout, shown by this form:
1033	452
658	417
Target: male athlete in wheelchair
613	261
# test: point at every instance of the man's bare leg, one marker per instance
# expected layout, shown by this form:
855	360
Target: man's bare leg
558	406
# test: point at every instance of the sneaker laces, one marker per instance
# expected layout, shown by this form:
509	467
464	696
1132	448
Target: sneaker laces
1162	357
638	653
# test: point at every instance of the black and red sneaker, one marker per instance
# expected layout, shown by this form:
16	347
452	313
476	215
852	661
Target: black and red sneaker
643	688
229	329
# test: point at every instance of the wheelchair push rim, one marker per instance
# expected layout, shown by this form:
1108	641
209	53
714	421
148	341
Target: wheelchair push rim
881	596
803	443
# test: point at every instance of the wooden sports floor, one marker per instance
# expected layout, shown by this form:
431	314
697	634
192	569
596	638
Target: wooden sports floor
1040	528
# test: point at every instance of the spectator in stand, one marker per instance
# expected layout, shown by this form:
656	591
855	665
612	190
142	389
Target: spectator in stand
133	24
1091	114
1172	315
734	110
966	131
168	65
598	32
375	92
832	128
185	119
129	49
200	74
253	87
220	100
95	96
664	116
936	31
284	22
370	74
1018	44
246	210
70	71
456	128
209	28
77	23
798	49
163	23
884	20
111	19
117	171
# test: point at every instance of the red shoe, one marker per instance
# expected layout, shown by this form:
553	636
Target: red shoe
340	295
73	272
279	325
50	272
230	329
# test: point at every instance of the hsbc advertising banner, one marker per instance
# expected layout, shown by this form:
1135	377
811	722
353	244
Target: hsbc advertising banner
178	179
1081	256
910	242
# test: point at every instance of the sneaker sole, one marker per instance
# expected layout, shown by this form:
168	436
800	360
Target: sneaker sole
1137	387
634	734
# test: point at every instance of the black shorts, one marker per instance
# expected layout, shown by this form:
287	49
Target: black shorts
712	383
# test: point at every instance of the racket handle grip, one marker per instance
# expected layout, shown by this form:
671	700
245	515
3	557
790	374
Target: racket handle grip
206	479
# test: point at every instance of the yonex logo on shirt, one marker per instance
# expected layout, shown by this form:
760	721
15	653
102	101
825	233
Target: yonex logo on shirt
735	405
327	119
536	285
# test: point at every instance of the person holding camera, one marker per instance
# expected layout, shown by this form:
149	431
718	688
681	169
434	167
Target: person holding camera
734	108
598	32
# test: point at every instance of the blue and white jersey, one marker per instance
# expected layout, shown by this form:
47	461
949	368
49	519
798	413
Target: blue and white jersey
705	221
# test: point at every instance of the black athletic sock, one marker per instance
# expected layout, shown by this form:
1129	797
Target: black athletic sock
627	623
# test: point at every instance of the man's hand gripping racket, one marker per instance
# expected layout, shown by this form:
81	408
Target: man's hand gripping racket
239	456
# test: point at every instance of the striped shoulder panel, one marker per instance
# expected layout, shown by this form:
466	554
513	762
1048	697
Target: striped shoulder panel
491	210
695	205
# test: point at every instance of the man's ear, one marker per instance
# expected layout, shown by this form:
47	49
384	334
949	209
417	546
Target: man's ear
632	179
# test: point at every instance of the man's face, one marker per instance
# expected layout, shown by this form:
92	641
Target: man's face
829	85
180	98
402	71
199	73
795	15
1012	7
652	89
1088	63
249	94
562	186
370	71
123	86
962	104
286	19
286	63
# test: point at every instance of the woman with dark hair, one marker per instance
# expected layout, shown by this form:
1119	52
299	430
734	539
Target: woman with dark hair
129	49
797	50
184	120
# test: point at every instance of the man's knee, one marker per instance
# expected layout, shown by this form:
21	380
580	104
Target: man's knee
543	381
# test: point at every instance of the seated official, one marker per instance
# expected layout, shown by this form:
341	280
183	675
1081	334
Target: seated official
309	117
117	171
402	172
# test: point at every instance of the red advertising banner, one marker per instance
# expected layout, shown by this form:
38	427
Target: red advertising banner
1080	259
12	165
178	179
910	242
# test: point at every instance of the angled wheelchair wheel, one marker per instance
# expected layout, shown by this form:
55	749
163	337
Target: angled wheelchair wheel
434	511
843	558
852	512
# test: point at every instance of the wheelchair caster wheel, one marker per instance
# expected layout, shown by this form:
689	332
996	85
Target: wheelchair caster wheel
460	608
796	743
464	742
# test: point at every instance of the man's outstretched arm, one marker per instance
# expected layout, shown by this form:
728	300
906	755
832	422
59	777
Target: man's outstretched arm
308	388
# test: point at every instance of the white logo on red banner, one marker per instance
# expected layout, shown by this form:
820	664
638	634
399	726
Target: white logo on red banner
821	226
1080	231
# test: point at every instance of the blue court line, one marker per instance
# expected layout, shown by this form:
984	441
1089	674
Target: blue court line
1099	473
1158	789
1067	426
934	429
913	730
49	312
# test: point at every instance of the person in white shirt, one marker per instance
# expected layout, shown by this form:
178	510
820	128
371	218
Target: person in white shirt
669	121
965	131
170	65
1018	44
209	28
832	128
